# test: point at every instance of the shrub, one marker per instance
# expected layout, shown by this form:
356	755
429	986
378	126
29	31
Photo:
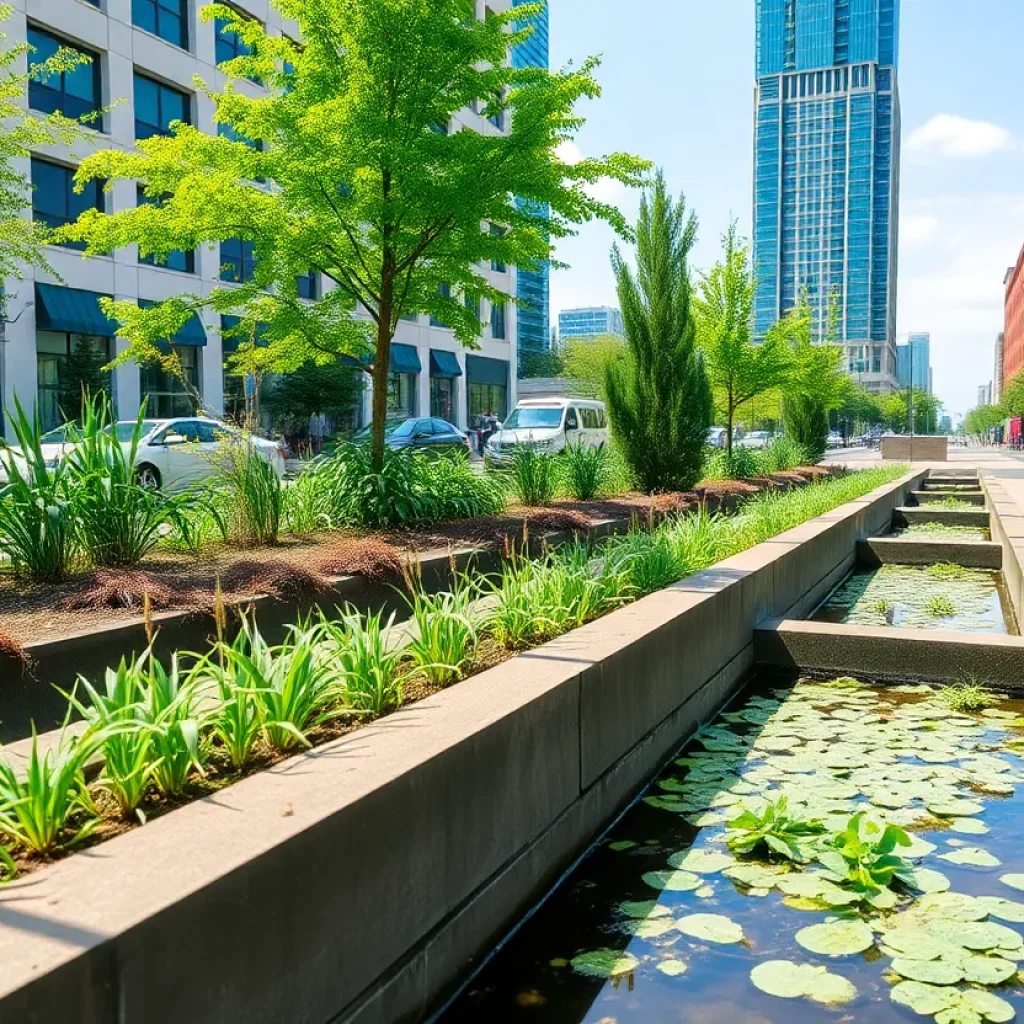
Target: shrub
36	519
585	471
534	475
255	497
782	455
453	490
305	509
117	521
741	465
445	639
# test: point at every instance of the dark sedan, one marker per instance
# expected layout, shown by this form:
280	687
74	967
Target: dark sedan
423	433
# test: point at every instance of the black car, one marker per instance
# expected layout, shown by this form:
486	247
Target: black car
428	434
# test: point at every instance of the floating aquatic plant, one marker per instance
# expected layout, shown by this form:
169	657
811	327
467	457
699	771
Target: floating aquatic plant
940	606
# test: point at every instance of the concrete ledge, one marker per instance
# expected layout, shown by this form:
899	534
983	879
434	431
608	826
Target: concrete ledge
908	516
876	551
871	652
952	480
1007	529
930	497
362	880
907	448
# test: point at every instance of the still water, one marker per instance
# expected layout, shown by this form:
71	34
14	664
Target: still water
951	780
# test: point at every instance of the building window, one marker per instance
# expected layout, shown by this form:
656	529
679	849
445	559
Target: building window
498	266
237	260
75	93
54	199
166	394
228	43
308	285
442	398
498	321
446	292
486	399
157	105
185	262
401	395
167	19
65	363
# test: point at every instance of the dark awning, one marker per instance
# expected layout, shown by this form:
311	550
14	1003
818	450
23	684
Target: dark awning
444	364
230	345
71	311
192	334
405	359
481	370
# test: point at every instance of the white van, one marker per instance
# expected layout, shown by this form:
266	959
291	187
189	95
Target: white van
549	424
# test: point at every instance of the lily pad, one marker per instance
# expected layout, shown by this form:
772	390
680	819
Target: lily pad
673	881
643	909
969	827
972	856
604	963
1005	910
927	1000
787	980
836	938
988	970
1013	881
755	876
986	1005
623	844
650	928
701	862
957	807
673	968
933	972
926	880
710	928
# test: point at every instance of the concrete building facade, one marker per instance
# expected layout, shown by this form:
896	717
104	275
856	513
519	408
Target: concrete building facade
827	174
144	56
589	322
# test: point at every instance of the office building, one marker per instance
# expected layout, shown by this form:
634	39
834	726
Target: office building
985	395
533	287
997	369
946	425
590	322
913	363
827	172
145	55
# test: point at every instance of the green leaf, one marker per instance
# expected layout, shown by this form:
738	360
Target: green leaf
836	938
1013	881
673	968
787	980
972	856
701	862
933	972
604	963
673	881
710	928
926	1000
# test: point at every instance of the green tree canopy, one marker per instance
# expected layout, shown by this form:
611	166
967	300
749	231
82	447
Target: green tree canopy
983	419
659	398
739	370
927	408
352	166
585	363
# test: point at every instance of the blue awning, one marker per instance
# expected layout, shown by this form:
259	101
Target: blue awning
481	370
193	334
71	311
444	364
405	359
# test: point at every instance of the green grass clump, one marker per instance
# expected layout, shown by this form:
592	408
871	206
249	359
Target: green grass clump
953	503
947	571
885	608
967	697
940	607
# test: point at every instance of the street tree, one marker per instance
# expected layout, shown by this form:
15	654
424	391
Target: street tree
585	363
353	165
738	369
659	398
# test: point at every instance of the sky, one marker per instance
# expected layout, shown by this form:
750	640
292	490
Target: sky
678	87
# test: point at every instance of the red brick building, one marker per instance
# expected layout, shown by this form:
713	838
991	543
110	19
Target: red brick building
1013	341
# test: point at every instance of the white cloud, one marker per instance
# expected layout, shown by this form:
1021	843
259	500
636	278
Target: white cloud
950	135
918	230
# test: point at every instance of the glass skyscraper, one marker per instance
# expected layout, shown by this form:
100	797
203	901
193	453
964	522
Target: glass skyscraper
914	362
534	286
827	171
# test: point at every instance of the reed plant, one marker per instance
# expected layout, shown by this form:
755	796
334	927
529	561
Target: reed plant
585	471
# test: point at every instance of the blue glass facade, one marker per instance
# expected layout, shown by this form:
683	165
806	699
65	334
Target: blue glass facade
914	362
826	172
534	286
589	322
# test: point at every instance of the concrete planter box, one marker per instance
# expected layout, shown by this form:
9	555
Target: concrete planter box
904	448
363	880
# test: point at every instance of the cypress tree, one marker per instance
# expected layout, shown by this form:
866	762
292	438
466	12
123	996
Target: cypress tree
659	398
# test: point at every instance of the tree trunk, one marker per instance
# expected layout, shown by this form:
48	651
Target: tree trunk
730	417
379	408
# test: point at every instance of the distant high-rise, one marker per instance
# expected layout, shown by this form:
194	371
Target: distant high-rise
827	172
590	322
914	362
534	286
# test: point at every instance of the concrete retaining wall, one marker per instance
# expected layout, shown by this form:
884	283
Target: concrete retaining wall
1007	529
925	551
364	880
904	448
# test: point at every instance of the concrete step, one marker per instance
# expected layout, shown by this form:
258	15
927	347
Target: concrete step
908	516
888	654
952	481
937	497
929	551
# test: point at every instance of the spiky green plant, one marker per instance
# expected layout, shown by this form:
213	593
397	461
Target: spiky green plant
446	635
585	471
533	475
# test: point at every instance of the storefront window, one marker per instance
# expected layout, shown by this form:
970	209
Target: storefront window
65	365
442	398
486	398
401	395
165	393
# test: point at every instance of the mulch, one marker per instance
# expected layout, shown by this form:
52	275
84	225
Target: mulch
299	567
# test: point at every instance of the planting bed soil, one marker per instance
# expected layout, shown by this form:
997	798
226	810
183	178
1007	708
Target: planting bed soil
667	920
933	597
301	566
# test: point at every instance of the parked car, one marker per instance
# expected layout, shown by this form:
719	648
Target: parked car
717	437
835	439
549	424
172	453
426	433
756	439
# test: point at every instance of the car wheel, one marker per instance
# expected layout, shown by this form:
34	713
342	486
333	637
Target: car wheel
148	477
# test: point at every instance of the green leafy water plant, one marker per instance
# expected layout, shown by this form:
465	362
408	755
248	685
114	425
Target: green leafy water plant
947	571
969	696
864	855
940	606
788	836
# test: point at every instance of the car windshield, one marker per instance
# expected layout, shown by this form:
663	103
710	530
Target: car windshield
58	436
126	431
396	428
544	417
